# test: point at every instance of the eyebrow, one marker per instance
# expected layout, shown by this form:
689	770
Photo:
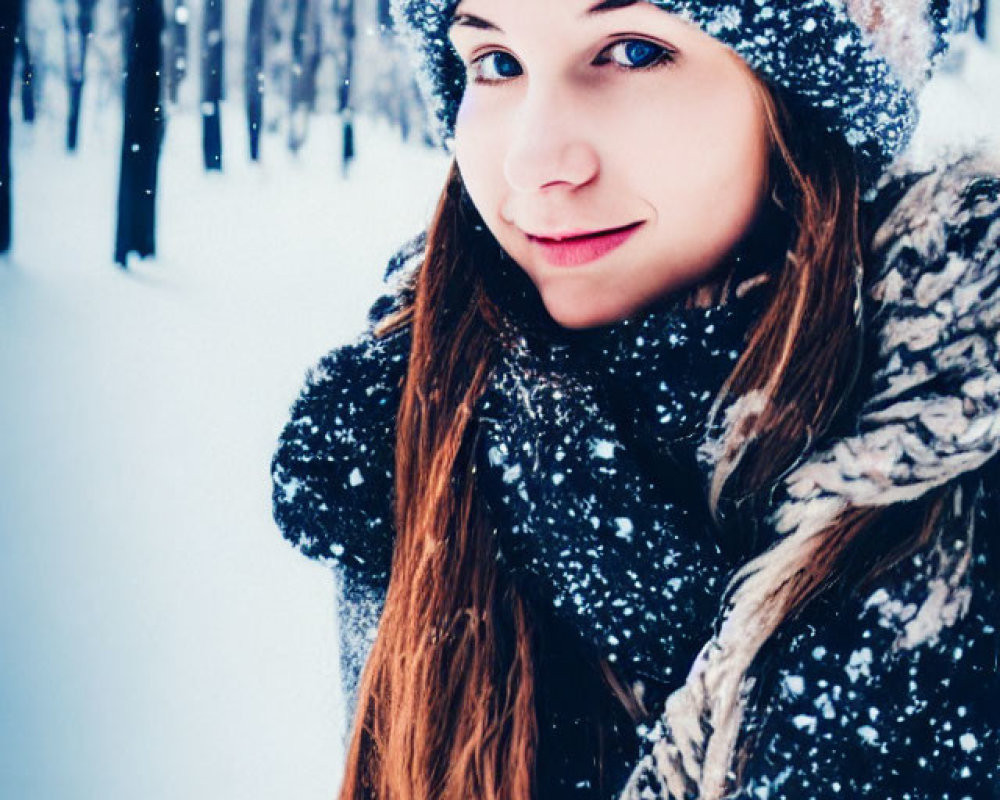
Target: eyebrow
472	21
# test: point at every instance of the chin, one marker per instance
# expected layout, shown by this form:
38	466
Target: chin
578	316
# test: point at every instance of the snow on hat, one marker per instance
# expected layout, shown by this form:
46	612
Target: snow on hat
860	63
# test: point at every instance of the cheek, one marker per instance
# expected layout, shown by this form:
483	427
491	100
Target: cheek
704	140
479	153
709	161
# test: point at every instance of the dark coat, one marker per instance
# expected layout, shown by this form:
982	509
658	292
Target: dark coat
893	692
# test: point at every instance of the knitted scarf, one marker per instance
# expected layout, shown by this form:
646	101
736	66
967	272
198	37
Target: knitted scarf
587	458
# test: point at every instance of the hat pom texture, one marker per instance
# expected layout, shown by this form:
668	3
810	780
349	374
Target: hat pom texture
859	63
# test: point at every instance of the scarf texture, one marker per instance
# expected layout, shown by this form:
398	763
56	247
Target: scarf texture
592	457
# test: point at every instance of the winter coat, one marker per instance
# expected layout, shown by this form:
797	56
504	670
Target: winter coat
889	692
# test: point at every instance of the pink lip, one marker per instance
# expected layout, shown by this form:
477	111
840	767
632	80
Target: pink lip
573	248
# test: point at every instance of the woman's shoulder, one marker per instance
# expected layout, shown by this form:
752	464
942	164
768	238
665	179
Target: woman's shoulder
370	357
928	401
332	470
398	278
892	690
933	213
932	399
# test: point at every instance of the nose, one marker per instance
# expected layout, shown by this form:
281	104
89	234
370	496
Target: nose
548	145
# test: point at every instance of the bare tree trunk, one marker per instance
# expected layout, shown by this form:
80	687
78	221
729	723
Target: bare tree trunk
307	42
253	73
384	16
10	19
78	22
143	130
980	18
27	68
344	94
212	78
178	48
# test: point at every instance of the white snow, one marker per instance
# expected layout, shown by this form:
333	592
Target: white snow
868	734
859	663
602	448
805	722
158	638
625	528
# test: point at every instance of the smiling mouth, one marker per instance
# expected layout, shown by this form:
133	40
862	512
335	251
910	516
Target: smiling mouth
577	248
575	236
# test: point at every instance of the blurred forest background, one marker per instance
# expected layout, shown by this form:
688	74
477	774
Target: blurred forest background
288	60
197	200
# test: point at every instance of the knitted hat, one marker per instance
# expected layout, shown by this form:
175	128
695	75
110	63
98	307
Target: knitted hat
859	63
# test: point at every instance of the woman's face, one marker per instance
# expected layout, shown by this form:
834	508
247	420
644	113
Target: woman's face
580	118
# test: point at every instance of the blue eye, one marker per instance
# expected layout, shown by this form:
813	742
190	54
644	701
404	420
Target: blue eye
638	53
498	66
505	66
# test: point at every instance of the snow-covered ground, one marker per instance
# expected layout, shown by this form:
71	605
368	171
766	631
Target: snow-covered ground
158	639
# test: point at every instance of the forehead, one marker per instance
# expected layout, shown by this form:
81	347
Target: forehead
531	16
586	7
582	10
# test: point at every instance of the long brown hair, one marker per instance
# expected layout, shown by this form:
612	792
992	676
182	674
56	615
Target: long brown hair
446	704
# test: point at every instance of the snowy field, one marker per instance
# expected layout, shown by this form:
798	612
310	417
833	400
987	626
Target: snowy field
158	639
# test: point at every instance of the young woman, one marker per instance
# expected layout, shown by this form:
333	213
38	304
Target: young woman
666	467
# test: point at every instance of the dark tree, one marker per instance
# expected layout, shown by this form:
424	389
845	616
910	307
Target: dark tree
143	130
178	48
384	15
307	52
253	73
980	19
278	24
212	79
10	19
78	22
27	68
394	93
344	94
